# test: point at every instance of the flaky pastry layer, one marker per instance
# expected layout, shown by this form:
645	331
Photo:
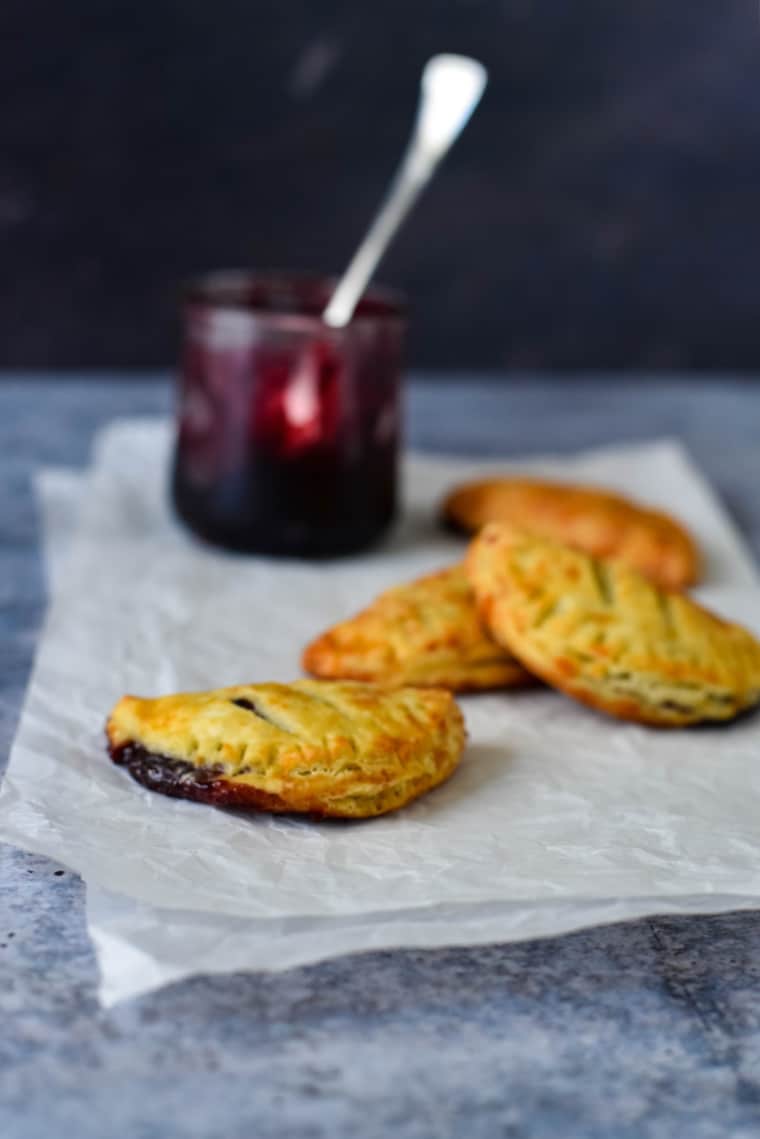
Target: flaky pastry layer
605	635
599	523
426	632
334	749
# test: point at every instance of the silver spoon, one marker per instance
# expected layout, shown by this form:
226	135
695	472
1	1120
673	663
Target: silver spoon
451	87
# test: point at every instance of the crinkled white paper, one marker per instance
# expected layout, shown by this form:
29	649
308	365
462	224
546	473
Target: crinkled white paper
557	818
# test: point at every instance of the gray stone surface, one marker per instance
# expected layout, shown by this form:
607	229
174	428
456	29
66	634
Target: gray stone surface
646	1029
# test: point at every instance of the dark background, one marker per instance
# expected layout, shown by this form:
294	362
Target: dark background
602	209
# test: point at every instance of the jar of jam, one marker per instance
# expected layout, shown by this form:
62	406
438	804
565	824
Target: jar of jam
288	431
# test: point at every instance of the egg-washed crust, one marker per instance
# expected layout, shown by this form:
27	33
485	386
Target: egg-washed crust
599	523
608	637
341	750
423	633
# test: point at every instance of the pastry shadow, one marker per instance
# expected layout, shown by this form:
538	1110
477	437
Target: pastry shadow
290	820
481	764
746	717
418	528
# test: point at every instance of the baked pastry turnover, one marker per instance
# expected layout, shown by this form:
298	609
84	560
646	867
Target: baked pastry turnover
605	635
600	523
424	633
345	750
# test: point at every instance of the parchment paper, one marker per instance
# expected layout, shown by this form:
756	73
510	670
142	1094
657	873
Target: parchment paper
557	818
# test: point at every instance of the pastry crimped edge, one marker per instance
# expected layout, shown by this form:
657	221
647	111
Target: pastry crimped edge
455	653
382	749
599	522
607	636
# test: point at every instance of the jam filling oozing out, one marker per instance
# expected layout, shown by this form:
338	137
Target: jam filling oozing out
183	780
171	776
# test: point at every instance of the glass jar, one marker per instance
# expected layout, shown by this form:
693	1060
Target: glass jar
288	431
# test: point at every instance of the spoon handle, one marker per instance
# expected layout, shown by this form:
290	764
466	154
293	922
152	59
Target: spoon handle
451	88
415	171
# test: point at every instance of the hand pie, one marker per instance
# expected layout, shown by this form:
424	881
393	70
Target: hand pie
605	525
425	633
607	636
344	750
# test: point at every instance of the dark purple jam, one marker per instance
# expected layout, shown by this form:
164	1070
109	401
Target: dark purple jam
172	777
288	431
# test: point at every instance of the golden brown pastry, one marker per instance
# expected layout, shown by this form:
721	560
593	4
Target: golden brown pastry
424	633
607	636
345	750
603	524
